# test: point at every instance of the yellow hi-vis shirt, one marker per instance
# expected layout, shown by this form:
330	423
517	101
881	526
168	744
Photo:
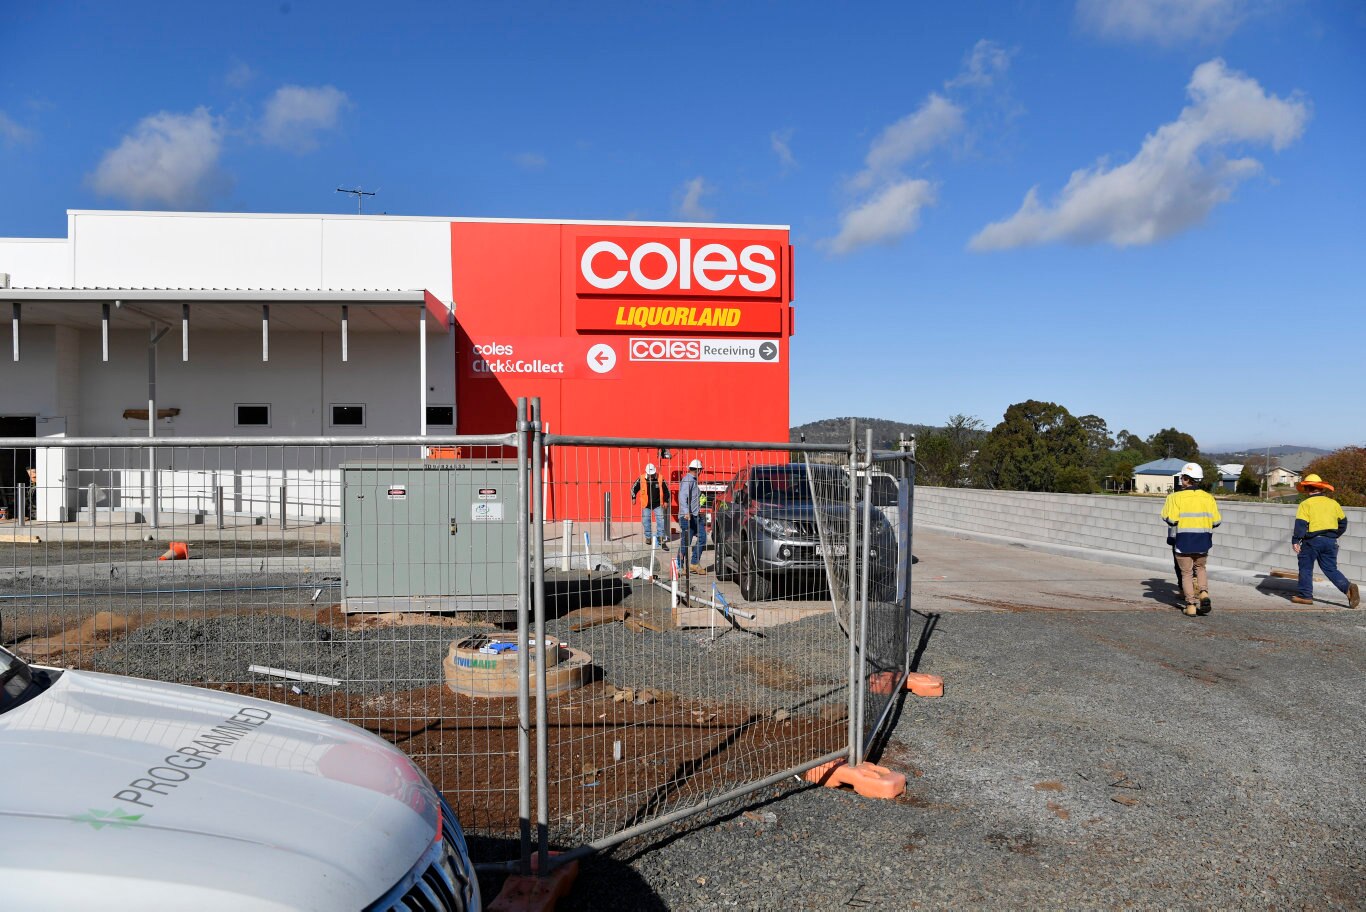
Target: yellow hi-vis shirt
1192	514
1319	513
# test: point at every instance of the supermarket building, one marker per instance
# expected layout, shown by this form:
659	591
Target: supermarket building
249	325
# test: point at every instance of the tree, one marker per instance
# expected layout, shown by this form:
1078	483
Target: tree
1074	480
942	455
1123	475
1248	482
1099	443
1169	442
1126	440
1032	444
1345	470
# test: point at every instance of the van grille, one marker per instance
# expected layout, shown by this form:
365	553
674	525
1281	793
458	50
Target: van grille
440	882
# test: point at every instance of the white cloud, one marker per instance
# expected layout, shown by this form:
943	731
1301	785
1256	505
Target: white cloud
1163	21
891	212
1178	176
934	122
168	159
240	75
985	62
690	207
781	143
530	161
11	132
295	115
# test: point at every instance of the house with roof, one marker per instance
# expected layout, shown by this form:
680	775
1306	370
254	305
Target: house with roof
1158	476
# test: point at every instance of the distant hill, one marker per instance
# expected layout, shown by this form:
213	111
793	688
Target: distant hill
1294	458
836	430
1274	451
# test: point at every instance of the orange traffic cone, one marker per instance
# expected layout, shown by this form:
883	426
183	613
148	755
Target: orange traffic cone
176	551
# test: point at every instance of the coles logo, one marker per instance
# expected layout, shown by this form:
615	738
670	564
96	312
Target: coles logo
685	267
666	349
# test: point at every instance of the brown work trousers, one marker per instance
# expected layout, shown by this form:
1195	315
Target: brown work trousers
1193	579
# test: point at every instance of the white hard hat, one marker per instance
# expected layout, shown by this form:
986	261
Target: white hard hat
695	464
1193	470
649	468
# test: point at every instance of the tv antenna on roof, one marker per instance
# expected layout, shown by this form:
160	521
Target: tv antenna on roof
360	197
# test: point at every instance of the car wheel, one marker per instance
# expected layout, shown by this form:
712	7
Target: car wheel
724	552
754	586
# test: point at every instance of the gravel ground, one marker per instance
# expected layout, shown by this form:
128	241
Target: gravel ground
218	649
1081	760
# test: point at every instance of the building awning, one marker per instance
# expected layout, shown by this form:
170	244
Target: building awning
240	309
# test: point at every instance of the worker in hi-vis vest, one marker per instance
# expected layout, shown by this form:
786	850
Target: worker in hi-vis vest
655	505
1319	523
1191	515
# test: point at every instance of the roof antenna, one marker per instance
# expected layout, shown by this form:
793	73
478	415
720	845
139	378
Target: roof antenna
360	197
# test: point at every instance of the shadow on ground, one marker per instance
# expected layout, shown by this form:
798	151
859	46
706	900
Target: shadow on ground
628	890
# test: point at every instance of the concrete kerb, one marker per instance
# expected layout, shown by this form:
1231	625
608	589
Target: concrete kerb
1115	558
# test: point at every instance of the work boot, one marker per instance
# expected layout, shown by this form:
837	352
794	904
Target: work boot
1353	596
1192	609
1206	606
696	568
1301	600
664	546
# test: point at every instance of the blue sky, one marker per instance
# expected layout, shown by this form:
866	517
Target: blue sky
1149	210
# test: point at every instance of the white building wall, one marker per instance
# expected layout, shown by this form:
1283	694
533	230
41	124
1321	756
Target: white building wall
36	262
210	250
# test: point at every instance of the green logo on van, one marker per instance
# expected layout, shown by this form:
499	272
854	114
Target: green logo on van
101	819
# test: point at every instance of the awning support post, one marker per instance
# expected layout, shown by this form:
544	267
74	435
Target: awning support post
422	367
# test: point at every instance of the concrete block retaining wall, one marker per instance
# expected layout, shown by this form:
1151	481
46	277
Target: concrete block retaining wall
1253	536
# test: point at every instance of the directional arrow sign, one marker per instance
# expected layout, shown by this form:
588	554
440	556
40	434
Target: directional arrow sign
602	358
768	351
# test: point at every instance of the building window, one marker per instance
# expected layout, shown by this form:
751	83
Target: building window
348	416
253	415
440	415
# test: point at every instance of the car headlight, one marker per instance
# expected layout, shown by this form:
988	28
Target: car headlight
775	527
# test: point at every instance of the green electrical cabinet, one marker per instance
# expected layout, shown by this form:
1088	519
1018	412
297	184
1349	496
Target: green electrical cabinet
429	535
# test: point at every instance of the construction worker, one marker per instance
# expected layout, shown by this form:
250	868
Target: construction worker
1319	522
655	506
1192	516
690	523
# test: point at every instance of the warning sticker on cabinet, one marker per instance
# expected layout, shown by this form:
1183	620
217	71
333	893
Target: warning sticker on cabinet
486	512
398	492
488	493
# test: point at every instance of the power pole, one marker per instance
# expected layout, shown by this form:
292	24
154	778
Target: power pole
360	196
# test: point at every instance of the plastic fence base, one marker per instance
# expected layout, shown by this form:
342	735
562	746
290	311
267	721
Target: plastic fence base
868	779
921	685
534	893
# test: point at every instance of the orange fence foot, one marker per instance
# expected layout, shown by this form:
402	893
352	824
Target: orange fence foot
925	685
868	779
922	685
533	893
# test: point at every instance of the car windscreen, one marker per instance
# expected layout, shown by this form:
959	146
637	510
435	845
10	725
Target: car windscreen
789	484
15	679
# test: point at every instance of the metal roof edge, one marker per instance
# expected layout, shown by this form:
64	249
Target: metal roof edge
154	213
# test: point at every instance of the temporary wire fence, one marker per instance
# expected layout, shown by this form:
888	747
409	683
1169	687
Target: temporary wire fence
516	612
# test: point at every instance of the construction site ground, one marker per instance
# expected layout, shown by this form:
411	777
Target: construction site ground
1095	749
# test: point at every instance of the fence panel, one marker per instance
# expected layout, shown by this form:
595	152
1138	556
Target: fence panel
710	673
328	574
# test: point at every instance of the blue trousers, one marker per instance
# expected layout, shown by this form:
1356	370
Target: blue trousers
646	513
693	529
1323	551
